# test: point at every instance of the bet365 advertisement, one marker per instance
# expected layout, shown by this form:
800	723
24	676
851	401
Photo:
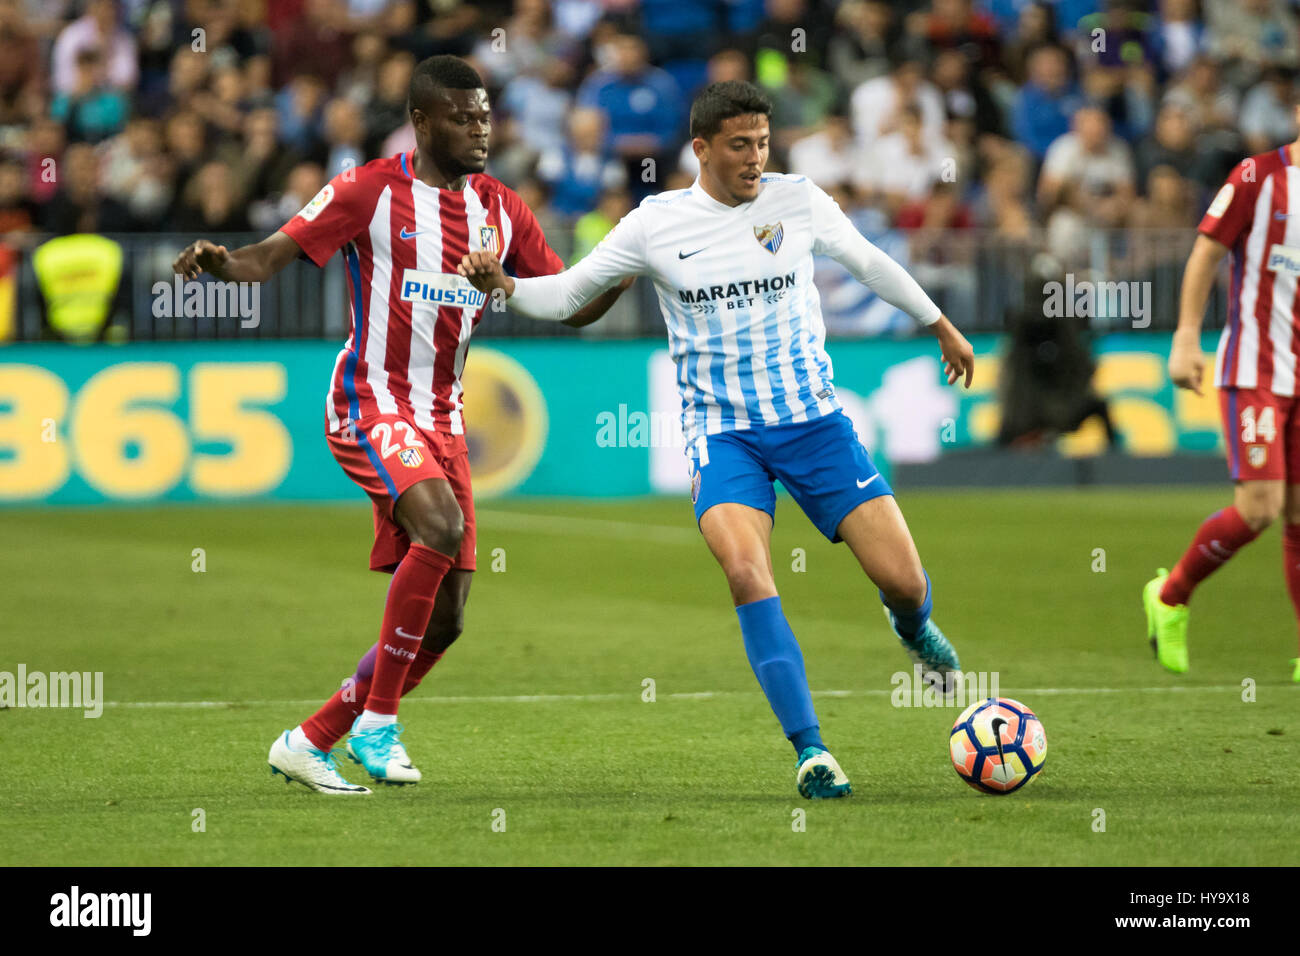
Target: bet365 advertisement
245	421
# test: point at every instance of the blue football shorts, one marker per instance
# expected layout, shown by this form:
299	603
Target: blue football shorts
820	462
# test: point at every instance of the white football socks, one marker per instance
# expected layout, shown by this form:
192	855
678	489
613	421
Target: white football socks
298	740
370	720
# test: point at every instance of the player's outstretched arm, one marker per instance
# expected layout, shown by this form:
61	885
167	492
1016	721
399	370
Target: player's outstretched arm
1186	362
871	266
598	306
875	269
579	293
484	271
958	355
618	257
255	263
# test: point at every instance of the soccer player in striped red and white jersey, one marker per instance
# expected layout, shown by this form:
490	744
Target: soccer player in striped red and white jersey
393	416
1256	219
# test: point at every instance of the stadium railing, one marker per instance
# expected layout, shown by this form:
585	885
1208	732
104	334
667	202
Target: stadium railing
978	277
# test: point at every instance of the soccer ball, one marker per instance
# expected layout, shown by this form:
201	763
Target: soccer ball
997	745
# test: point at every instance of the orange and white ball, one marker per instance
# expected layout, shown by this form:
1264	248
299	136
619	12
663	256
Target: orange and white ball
997	745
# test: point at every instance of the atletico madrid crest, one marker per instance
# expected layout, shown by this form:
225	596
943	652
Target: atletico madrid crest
410	457
769	237
489	239
1257	455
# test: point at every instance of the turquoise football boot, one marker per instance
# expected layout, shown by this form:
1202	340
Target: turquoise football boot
819	776
380	751
931	650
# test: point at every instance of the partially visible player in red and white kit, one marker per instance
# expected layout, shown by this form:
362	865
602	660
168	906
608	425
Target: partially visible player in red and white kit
393	411
1256	218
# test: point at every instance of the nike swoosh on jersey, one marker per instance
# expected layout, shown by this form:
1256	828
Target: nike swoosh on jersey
863	484
687	255
411	235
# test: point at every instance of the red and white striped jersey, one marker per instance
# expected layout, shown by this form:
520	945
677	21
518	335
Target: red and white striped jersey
1257	216
412	315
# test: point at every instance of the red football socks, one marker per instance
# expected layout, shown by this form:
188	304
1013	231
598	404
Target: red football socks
328	725
406	617
1216	541
1291	557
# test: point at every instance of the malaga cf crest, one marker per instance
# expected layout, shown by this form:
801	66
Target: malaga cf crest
769	237
489	239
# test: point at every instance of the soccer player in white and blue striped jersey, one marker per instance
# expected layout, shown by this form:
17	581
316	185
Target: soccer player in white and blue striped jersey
731	259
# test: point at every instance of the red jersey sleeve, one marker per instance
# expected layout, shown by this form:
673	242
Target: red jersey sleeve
529	254
1233	208
335	215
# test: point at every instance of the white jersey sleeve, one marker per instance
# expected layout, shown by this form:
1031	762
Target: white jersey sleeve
837	237
554	298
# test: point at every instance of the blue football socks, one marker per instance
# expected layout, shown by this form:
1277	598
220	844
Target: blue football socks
911	620
778	664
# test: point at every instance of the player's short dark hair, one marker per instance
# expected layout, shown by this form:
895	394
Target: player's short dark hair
444	72
721	101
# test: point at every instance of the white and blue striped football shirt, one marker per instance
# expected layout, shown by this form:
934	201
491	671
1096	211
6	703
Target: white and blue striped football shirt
735	284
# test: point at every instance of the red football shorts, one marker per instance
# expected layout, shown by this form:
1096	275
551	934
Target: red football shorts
1262	434
388	455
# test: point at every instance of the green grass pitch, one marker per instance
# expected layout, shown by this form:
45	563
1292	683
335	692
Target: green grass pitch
535	719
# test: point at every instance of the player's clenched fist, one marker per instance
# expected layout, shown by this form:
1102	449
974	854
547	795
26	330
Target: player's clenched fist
201	256
1186	363
483	269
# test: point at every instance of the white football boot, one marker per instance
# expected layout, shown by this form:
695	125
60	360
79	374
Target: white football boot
311	768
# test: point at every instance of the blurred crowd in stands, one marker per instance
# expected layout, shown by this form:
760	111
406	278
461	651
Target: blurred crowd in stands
212	116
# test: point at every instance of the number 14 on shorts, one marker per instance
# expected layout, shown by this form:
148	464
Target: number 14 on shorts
1258	427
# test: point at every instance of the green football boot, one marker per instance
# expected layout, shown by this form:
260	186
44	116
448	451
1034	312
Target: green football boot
1166	626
